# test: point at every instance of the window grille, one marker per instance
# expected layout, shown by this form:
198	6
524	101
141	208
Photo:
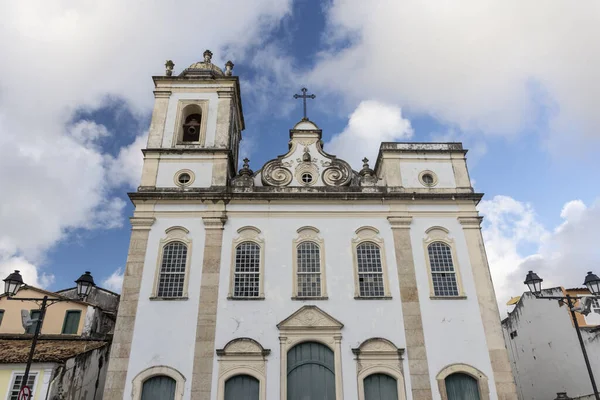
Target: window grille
370	272
172	270
18	381
247	270
443	274
309	270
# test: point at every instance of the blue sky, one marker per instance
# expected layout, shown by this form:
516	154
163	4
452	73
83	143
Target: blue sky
521	99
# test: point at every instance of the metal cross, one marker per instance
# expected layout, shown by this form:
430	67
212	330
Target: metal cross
304	96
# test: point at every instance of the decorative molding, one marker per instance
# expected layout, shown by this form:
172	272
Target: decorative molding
365	232
248	228
311	324
141	223
138	381
242	356
275	174
214	222
480	377
400	222
470	222
338	174
162	94
184	171
309	317
177	231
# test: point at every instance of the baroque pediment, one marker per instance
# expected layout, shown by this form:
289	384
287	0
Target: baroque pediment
306	164
310	317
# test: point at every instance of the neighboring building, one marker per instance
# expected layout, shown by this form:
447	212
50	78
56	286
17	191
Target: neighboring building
543	347
305	279
72	352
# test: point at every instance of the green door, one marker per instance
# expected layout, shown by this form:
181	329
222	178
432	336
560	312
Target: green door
462	387
380	387
159	387
241	387
310	372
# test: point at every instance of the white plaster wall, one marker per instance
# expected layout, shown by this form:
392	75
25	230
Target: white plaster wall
362	319
410	171
545	355
165	331
167	170
211	125
453	329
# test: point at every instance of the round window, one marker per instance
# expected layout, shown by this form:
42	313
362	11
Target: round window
307	178
184	178
427	179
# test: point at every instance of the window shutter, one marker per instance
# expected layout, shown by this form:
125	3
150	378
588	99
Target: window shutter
159	387
71	324
380	387
242	387
33	314
462	387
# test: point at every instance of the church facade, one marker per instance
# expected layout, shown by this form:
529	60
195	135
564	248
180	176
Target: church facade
303	279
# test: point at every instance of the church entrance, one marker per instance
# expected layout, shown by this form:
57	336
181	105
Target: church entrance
310	372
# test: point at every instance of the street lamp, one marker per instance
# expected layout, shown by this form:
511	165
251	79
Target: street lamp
13	283
592	282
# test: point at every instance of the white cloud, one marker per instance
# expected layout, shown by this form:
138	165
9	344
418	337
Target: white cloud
517	242
28	271
68	56
370	124
114	282
479	65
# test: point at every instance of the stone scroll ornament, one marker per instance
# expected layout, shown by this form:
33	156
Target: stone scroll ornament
275	174
339	173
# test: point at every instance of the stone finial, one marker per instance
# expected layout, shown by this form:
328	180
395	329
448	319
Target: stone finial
228	68
207	56
366	170
169	67
246	168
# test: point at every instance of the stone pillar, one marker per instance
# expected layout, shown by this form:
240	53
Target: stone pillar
204	350
339	386
411	309
224	114
488	307
159	116
116	376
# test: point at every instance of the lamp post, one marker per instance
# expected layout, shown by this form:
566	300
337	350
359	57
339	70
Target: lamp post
13	283
592	282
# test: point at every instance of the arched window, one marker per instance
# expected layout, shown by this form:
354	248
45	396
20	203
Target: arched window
309	269
310	372
171	278
242	387
461	386
159	387
380	387
443	274
370	270
246	279
191	127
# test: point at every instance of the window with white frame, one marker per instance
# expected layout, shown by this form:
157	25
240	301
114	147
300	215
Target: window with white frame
15	388
246	280
370	270
171	278
443	274
595	306
309	269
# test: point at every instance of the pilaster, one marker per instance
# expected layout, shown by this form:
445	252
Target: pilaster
224	111
159	116
488	307
204	350
116	376
411	309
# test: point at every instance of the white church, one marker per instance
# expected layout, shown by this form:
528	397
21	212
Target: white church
302	279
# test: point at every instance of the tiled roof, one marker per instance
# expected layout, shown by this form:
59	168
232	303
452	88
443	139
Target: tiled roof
17	350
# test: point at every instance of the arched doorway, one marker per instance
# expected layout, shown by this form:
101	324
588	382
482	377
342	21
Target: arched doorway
159	387
461	386
242	387
310	372
380	387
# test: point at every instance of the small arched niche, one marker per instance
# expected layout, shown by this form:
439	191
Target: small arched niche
191	122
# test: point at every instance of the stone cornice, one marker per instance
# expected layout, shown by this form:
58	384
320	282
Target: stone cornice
333	194
470	222
402	222
141	223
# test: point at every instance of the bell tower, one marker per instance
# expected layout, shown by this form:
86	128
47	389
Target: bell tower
194	135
